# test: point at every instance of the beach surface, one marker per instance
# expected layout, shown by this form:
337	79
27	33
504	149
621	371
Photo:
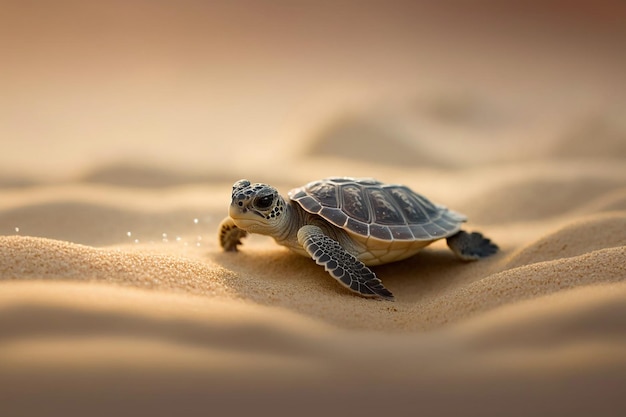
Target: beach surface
117	165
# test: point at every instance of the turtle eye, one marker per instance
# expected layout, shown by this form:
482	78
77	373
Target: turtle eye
264	202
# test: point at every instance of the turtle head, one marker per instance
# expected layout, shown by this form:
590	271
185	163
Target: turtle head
257	208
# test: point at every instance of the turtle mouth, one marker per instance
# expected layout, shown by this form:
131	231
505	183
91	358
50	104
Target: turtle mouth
242	210
248	224
245	217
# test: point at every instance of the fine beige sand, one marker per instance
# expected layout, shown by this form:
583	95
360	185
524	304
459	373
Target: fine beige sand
115	298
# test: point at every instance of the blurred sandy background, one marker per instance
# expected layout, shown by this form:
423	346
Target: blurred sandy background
87	84
123	125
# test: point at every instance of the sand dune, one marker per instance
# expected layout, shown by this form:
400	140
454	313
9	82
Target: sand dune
447	290
613	201
524	201
359	138
586	235
131	174
201	352
597	137
36	258
87	223
88	312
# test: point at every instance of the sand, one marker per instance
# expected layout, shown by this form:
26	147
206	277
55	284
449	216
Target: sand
116	169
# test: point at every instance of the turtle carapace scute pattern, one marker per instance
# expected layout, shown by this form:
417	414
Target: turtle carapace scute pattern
370	208
347	225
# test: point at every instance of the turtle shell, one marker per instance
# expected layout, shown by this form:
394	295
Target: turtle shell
369	208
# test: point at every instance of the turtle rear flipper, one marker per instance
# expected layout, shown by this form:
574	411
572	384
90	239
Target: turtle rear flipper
471	246
341	265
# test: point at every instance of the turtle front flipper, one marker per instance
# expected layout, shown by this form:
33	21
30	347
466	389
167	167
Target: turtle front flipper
341	265
471	246
230	235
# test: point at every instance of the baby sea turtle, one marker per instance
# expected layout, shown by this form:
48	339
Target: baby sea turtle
347	224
